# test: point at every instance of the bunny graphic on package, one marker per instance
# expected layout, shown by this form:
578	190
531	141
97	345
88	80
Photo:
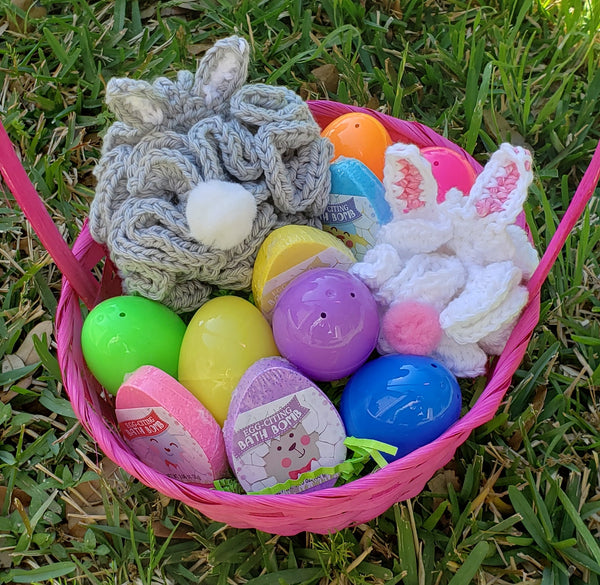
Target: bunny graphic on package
449	277
197	171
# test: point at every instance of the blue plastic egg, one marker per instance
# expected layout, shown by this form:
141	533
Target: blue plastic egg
403	400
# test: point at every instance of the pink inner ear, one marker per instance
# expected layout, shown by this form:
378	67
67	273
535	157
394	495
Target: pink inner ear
498	193
410	184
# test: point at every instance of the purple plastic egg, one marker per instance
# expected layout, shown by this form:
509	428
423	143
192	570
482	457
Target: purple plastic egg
326	323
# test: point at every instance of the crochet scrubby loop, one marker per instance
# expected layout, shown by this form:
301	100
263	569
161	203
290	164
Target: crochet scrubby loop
172	135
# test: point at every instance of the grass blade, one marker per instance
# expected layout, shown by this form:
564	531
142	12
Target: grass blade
42	573
288	576
582	530
477	115
468	570
406	544
529	519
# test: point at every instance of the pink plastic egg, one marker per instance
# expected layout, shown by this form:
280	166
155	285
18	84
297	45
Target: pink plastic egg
450	169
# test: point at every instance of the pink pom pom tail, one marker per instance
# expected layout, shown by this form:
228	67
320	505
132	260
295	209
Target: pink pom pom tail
412	328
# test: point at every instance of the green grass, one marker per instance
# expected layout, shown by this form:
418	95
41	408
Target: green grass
520	502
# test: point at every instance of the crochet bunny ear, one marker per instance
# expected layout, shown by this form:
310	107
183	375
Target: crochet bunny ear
500	190
418	226
135	102
410	187
222	71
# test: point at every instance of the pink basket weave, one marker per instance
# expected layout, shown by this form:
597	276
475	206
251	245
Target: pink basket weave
324	511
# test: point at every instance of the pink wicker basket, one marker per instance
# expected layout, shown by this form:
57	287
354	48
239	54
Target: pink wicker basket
324	511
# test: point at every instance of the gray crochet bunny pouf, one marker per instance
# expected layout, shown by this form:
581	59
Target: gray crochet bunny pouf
197	172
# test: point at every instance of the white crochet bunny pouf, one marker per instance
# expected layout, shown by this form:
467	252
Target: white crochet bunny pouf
449	277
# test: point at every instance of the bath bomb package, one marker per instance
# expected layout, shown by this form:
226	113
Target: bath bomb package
282	433
169	429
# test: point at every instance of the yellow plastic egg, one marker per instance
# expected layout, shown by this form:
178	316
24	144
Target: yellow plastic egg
224	338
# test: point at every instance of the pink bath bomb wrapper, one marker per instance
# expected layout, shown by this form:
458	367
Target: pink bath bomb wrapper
169	429
411	327
279	426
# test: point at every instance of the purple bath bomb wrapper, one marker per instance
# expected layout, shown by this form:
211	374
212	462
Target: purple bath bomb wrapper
279	427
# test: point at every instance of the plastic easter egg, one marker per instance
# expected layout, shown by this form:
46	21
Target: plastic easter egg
450	169
403	400
326	323
123	333
286	253
224	338
360	136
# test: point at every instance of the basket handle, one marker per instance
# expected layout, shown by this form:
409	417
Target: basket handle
583	194
15	177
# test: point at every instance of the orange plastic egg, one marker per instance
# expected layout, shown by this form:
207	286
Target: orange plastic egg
359	136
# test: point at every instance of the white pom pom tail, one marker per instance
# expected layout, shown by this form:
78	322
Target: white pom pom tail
220	214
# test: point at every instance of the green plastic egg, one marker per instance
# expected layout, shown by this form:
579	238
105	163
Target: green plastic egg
123	333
